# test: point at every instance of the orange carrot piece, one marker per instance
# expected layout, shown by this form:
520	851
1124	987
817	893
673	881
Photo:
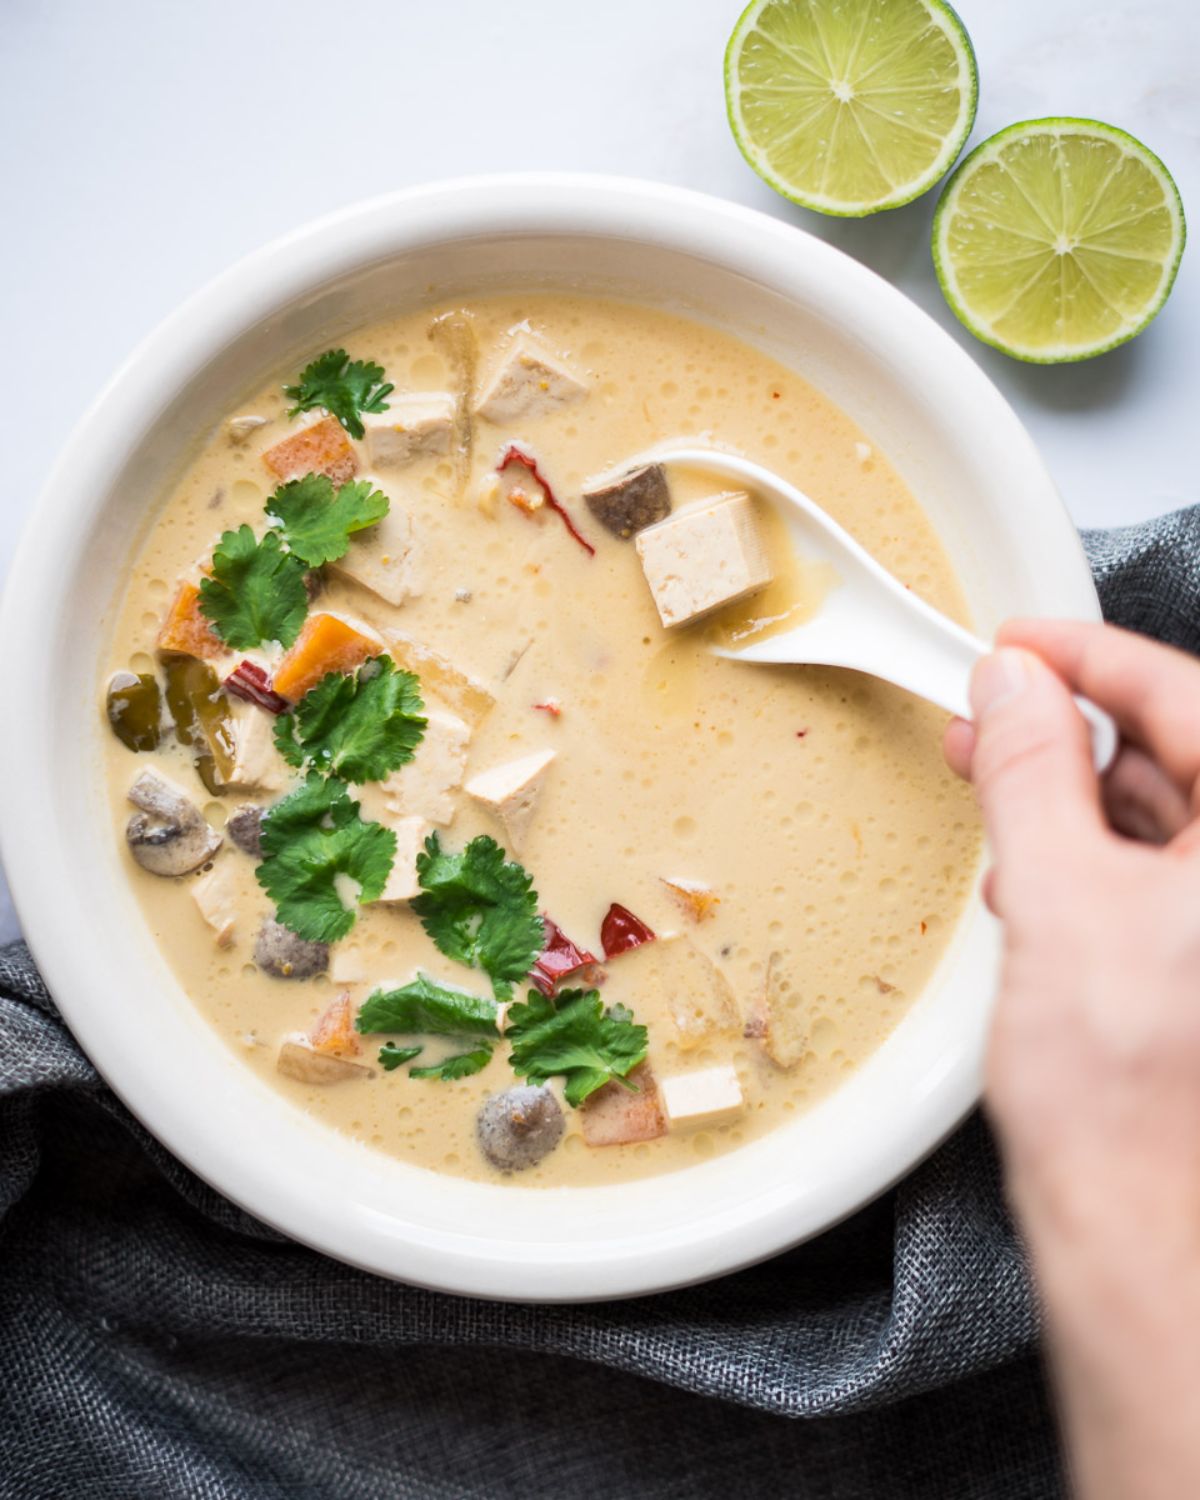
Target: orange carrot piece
333	1030
185	629
325	644
322	448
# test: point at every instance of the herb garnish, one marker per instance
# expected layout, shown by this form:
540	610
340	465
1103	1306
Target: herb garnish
316	522
315	846
575	1036
256	592
461	1065
391	1056
423	1006
431	1009
361	726
345	389
480	910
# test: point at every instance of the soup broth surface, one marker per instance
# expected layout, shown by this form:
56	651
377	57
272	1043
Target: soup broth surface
813	805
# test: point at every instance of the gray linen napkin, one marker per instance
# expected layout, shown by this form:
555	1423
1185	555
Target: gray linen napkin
157	1342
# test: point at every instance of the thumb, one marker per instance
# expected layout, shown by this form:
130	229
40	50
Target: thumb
1032	761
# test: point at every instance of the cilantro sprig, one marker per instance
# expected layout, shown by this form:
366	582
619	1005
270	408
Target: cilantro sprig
256	592
343	387
317	522
424	1007
391	1056
360	726
480	910
316	847
461	1065
573	1035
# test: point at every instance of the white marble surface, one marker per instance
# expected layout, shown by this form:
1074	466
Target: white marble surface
148	143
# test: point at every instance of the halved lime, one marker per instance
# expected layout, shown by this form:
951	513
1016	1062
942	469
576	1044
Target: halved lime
850	106
1058	239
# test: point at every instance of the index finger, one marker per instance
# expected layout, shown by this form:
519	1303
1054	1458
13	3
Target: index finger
1152	690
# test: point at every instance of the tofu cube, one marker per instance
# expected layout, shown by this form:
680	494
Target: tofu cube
411	834
510	791
710	1096
467	697
426	786
257	765
413	426
347	964
215	895
380	558
703	557
528	381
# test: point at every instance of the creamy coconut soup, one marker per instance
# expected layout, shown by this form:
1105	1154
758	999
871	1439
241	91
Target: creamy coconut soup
437	799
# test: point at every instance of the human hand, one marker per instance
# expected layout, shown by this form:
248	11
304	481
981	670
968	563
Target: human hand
1093	1073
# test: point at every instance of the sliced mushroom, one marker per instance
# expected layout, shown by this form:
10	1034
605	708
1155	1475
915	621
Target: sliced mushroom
244	827
617	1116
169	836
454	333
518	1128
240	428
634	501
283	955
299	1061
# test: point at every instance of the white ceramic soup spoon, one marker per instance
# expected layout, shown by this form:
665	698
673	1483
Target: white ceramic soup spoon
867	621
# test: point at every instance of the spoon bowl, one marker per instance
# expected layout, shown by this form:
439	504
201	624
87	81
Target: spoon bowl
868	621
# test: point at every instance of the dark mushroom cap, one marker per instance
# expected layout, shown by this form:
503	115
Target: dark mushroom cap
283	955
633	502
518	1128
244	827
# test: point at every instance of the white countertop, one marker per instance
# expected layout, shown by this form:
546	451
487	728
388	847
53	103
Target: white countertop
147	144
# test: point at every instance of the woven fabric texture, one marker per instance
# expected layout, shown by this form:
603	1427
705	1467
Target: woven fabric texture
156	1341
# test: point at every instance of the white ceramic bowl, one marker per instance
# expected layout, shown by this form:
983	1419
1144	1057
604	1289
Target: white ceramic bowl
920	399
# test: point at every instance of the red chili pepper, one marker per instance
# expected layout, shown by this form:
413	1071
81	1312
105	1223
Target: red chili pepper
551	706
250	682
621	930
557	959
514	455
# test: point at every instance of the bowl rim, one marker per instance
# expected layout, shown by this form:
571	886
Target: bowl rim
318	253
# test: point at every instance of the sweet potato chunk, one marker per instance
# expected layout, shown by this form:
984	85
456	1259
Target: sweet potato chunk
322	448
185	629
327	643
333	1030
614	1116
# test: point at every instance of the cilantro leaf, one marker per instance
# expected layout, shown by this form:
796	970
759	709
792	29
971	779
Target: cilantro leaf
391	1056
256	592
429	1008
573	1035
461	1065
360	726
314	842
316	523
345	388
480	910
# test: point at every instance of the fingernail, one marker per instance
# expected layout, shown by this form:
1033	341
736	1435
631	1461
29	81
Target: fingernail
997	679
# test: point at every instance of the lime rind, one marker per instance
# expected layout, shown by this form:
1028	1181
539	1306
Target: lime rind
947	20
1058	126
